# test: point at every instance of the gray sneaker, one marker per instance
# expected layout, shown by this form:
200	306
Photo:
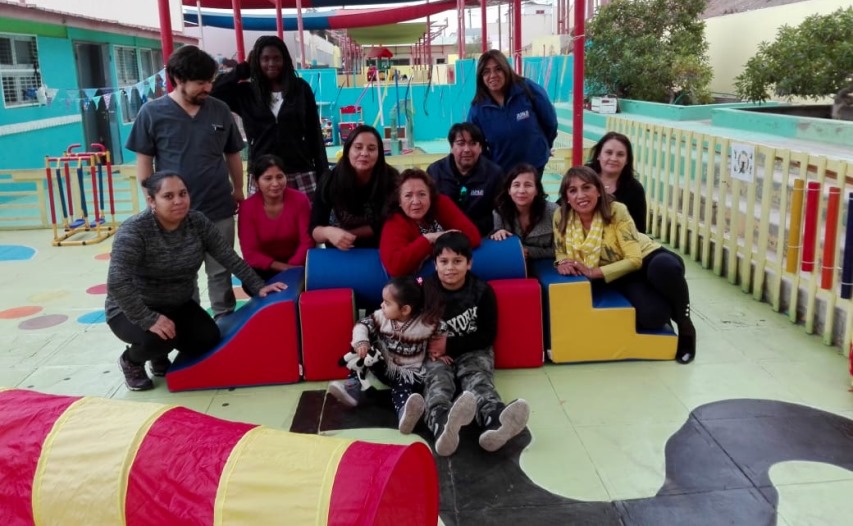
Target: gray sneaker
461	414
160	366
347	392
134	374
504	425
411	413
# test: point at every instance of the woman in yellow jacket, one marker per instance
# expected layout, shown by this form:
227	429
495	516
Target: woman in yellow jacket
595	237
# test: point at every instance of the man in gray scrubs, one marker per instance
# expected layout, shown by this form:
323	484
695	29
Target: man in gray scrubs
192	134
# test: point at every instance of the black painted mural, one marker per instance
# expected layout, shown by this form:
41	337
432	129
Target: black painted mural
717	466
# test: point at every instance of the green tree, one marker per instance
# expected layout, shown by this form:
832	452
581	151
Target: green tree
652	50
813	60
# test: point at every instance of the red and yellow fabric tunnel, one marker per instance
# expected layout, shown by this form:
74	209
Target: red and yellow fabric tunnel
72	460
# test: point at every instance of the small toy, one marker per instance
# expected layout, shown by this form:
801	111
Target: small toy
361	366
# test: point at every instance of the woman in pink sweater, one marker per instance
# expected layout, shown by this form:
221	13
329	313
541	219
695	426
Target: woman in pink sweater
273	222
418	216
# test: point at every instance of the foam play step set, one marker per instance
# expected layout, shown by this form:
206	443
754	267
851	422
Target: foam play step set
301	332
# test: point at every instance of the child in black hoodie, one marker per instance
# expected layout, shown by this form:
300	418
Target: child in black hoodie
470	312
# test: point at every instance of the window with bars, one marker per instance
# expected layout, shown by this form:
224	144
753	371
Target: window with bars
132	66
19	70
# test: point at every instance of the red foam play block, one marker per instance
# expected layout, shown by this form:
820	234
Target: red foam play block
263	350
519	339
327	317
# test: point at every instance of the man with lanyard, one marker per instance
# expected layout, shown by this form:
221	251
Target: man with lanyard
467	177
194	135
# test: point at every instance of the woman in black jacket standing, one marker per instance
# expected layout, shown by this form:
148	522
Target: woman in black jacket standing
279	112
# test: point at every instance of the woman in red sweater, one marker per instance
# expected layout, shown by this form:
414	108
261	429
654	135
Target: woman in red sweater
273	222
418	216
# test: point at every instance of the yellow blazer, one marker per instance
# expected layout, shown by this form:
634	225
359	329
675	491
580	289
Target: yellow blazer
622	247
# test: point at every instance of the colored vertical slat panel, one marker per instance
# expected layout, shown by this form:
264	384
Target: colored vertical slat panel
847	266
810	231
82	475
275	478
27	419
830	238
367	491
795	226
178	468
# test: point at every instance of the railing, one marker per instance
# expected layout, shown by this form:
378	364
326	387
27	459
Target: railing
752	232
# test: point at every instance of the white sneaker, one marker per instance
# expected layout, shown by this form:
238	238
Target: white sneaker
511	421
461	414
411	413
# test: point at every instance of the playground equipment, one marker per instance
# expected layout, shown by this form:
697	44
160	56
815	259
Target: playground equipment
350	117
60	167
73	460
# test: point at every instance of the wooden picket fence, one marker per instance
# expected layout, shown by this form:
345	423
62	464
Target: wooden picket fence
753	233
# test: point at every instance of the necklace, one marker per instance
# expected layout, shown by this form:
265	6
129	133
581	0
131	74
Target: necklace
397	328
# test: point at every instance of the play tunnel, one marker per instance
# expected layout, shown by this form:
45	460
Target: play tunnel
72	460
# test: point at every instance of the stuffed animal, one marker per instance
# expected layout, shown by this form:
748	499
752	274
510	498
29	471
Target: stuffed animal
361	366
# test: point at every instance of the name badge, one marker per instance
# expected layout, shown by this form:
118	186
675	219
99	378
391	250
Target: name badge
523	115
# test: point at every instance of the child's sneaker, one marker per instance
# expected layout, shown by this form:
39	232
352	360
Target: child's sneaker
347	392
503	425
446	430
134	374
411	413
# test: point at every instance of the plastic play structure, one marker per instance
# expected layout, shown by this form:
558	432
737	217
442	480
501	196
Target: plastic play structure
86	460
96	162
301	332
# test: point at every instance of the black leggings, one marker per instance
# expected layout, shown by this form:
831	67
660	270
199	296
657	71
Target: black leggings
195	334
658	290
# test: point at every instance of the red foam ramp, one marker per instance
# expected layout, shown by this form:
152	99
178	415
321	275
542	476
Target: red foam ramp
327	318
519	341
260	345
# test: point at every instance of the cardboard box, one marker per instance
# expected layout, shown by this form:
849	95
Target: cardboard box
604	104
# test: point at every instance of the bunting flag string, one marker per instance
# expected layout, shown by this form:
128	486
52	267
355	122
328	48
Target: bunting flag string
147	88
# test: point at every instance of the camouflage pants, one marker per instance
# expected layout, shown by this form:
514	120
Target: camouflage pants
472	371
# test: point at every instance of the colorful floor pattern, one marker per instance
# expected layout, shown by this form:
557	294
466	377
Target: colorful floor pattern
757	430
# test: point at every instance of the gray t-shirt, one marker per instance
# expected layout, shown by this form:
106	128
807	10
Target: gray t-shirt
153	268
193	147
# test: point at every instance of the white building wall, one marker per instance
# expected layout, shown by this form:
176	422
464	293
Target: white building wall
220	43
142	13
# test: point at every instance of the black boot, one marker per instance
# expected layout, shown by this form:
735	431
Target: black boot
686	350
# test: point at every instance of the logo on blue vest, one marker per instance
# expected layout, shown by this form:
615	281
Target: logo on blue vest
523	115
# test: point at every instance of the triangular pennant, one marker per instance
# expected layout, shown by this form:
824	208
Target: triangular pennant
107	99
73	93
162	74
90	92
140	87
97	100
51	93
152	84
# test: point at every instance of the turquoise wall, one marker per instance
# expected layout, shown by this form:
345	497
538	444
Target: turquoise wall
27	149
804	128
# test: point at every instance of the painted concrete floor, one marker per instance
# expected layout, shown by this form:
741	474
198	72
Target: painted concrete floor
607	442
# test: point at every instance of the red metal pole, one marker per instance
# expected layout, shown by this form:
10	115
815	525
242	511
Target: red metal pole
810	231
460	27
279	23
166	34
238	30
577	94
428	40
484	36
516	35
301	37
830	238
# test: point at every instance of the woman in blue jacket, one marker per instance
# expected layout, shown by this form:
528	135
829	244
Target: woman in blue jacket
514	113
